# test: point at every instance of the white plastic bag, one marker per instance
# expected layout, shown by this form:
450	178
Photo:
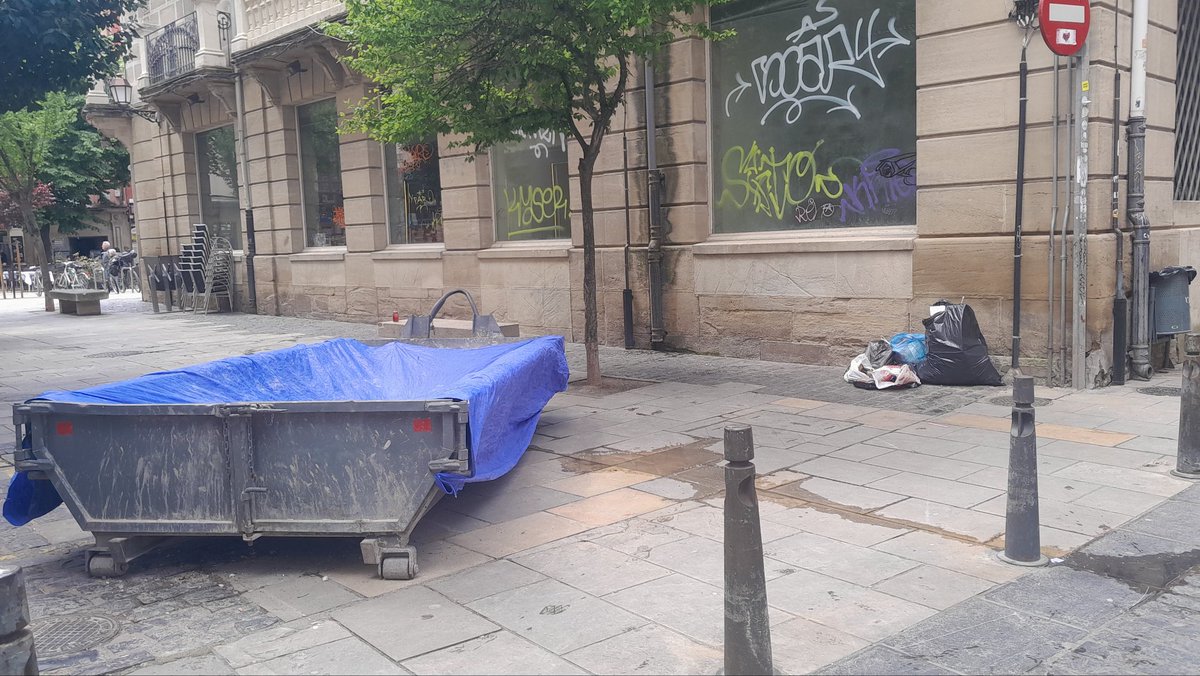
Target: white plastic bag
900	375
860	370
860	374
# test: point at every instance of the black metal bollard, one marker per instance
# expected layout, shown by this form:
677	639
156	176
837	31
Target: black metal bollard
1187	464
17	655
747	630
1022	534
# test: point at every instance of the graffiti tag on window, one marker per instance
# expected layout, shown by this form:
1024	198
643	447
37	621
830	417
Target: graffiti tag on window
823	64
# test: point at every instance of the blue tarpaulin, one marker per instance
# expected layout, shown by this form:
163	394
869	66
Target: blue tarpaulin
505	385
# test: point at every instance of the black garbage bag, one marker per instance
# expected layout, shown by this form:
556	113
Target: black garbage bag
958	352
879	353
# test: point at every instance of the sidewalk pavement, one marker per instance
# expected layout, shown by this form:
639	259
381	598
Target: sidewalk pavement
601	552
1128	603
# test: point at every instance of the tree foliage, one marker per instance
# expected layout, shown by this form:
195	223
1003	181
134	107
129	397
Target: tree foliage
32	144
10	210
81	164
58	45
487	69
27	139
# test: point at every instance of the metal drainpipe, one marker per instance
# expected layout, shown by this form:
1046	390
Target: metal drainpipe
1050	246
1068	214
657	234
1136	194
1120	302
1020	206
239	17
627	292
251	290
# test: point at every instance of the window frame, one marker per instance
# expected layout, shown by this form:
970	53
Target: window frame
387	202
495	208
300	161
238	225
901	231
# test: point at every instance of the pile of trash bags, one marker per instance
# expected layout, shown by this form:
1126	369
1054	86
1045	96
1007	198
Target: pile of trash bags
952	351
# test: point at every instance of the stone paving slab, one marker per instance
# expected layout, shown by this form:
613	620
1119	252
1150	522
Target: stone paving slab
1123	604
501	652
602	550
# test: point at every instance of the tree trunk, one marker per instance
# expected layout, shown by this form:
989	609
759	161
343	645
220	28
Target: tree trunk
44	235
31	225
591	331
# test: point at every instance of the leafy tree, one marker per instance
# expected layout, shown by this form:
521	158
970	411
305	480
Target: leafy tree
487	69
69	162
58	45
27	140
10	211
81	164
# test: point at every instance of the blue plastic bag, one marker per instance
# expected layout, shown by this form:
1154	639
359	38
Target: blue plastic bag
910	347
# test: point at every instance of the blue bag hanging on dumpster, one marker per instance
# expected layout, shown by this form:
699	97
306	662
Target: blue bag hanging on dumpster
910	347
506	387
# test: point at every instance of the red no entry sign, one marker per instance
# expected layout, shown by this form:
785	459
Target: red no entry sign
1065	24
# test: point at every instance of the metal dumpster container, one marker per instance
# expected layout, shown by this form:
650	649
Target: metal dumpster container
365	463
284	468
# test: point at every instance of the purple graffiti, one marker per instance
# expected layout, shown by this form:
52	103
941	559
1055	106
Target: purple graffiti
884	179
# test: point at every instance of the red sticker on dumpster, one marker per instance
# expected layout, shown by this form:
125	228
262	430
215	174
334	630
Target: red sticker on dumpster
64	428
423	425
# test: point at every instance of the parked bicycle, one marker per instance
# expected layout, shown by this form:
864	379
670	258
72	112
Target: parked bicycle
123	274
35	280
80	273
28	280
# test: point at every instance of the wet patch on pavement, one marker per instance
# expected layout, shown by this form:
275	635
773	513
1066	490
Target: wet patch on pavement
1147	573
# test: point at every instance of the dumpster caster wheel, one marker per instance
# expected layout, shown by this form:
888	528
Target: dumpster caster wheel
103	565
402	567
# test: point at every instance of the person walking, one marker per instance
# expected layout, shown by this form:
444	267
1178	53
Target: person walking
108	254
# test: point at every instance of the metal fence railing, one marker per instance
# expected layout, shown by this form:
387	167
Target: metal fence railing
171	50
1187	103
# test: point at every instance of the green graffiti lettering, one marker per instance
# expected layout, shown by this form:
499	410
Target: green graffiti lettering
774	184
532	205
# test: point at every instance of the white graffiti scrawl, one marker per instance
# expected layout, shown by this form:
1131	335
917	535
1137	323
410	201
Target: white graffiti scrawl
543	141
824	57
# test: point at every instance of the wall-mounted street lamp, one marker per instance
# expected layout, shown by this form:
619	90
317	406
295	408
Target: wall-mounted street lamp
120	92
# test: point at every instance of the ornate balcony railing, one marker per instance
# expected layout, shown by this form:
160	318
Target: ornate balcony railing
171	50
269	19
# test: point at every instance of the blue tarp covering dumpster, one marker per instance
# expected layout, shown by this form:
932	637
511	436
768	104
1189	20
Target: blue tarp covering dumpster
506	385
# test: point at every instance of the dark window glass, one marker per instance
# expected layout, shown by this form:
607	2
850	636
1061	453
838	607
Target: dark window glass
216	161
530	185
814	114
414	192
321	174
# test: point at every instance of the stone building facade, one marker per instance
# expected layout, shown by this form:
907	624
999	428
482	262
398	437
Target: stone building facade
830	172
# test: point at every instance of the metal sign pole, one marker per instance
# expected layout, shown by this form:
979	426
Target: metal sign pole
1079	334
